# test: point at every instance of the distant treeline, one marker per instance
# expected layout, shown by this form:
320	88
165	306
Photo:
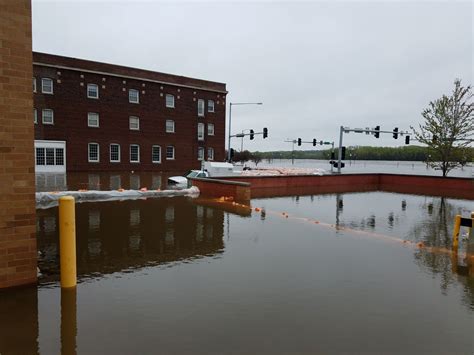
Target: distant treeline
408	153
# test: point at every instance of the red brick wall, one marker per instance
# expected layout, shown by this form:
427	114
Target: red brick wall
428	185
310	184
17	181
216	189
71	105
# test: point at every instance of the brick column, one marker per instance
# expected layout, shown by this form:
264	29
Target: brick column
18	255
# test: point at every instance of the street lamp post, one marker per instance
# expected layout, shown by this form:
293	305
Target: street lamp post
230	120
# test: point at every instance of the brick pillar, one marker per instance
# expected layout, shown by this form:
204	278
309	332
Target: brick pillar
18	255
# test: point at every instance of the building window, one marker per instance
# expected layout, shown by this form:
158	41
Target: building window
115	153
46	86
50	156
169	126
201	108
201	153
34	84
35	114
134	123
48	117
40	156
92	91
170	152
210	106
200	131
210	153
133	96
170	101
134	153
93	152
59	156
210	129
156	154
93	119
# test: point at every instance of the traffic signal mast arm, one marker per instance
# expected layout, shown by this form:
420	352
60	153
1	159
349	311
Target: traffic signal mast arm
240	135
365	130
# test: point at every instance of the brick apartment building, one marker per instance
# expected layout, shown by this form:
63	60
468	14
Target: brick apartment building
92	116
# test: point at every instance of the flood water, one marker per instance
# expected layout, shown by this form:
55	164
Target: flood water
368	166
300	275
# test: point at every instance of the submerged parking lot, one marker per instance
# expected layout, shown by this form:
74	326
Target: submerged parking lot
350	272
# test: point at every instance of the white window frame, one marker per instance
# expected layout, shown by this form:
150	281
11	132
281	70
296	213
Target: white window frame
110	152
200	153
209	106
210	132
138	153
159	155
43	144
89	153
52	116
171	105
34	84
130	97
97	91
43	80
89	114
174	152
166	126
35	113
210	153
200	131
200	109
130	123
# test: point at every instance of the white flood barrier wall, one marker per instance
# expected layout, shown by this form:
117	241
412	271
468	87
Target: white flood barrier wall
46	200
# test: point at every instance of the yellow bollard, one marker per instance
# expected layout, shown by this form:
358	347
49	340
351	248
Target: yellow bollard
457	227
67	241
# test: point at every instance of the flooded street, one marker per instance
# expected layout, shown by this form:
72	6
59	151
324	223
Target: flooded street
302	274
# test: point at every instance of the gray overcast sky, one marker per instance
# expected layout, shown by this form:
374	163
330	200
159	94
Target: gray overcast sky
315	65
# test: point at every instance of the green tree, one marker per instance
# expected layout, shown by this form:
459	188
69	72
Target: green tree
448	129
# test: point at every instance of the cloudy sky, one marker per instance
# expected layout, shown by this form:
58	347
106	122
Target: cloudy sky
315	65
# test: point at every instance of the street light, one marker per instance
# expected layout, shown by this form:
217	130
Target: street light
230	119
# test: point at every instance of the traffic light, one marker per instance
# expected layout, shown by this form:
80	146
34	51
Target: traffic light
314	142
333	156
407	139
251	134
377	133
343	154
395	133
232	152
299	141
265	132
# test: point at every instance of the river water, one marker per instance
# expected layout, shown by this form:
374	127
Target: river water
364	272
368	166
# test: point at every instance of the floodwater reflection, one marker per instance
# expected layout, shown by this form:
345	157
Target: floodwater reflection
426	221
103	180
118	236
186	276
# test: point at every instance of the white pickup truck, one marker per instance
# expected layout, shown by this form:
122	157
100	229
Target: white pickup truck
208	169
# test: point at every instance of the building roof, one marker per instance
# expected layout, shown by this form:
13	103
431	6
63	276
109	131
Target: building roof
81	65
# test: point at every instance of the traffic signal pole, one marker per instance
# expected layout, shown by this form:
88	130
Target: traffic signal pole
339	155
376	132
